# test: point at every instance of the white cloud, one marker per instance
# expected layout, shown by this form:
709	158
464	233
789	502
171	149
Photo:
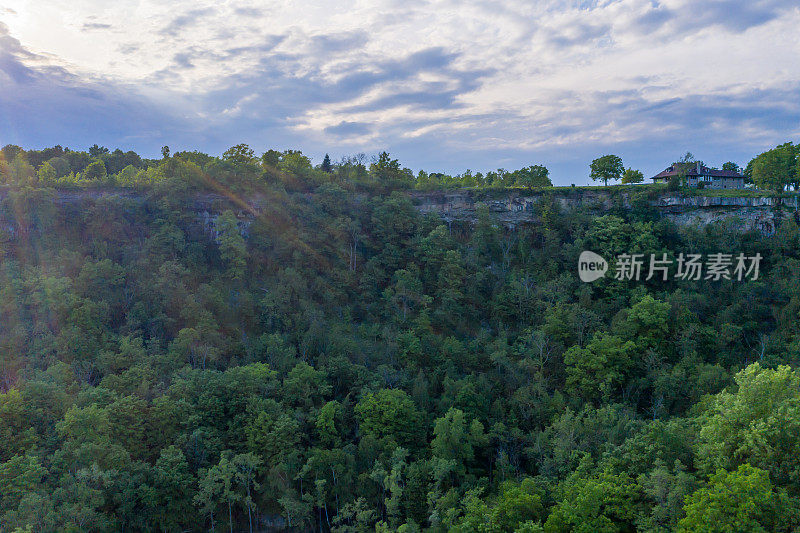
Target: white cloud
551	80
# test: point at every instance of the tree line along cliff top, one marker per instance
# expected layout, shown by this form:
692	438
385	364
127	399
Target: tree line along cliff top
239	168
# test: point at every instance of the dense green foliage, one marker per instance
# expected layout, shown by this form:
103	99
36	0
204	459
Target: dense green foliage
632	176
98	166
777	169
248	343
607	168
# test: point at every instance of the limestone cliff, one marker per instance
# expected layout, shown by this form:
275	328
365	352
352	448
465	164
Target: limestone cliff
762	213
509	207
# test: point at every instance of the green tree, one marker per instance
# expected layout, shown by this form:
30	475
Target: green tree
407	293
60	165
273	435
668	490
387	170
19	171
293	161
605	503
646	324
305	386
240	155
326	164
128	421
232	247
86	433
271	158
173	490
46	173
198	346
776	168
455	442
10	151
246	468
632	176
97	151
96	171
742	500
605	168
19	477
329	423
16	431
598	370
392	414
79	501
730	166
214	486
532	176
231	481
758	424
518	508
450	293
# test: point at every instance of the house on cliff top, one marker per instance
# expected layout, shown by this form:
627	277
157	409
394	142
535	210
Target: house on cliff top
697	174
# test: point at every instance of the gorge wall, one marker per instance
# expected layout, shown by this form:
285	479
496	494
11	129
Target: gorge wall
760	213
510	207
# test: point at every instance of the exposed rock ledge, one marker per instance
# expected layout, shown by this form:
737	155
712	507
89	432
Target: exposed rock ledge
762	213
512	207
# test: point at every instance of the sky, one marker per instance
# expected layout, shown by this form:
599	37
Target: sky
441	85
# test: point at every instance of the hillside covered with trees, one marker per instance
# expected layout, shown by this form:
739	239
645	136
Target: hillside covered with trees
173	358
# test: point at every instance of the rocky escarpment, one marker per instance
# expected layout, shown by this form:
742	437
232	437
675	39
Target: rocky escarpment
760	213
509	207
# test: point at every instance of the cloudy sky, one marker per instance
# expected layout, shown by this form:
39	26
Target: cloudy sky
442	85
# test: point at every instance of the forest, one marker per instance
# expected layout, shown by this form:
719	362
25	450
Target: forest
245	343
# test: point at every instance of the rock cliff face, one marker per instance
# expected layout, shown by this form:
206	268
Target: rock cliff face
518	207
763	214
512	207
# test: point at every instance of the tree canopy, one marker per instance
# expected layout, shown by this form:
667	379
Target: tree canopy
606	168
247	342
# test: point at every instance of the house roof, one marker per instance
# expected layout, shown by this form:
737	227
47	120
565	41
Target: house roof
693	170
